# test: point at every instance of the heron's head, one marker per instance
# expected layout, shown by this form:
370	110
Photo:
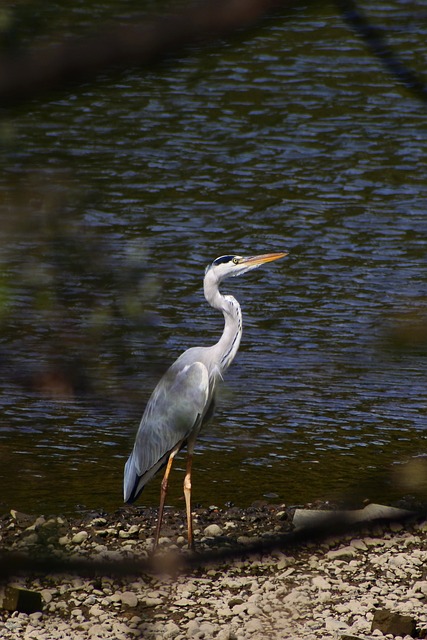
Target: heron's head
232	266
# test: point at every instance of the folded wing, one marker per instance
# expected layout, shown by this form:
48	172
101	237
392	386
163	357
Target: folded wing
175	410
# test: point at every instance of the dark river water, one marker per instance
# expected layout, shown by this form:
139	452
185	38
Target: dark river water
118	192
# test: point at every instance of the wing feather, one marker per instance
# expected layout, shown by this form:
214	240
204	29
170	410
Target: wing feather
174	410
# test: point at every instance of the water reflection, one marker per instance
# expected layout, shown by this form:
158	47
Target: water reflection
279	141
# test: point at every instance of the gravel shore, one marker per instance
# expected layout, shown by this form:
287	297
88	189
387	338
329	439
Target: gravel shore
326	590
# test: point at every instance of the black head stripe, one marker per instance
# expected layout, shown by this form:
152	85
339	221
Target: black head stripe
223	259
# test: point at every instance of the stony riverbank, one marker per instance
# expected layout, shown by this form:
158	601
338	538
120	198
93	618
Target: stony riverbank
327	590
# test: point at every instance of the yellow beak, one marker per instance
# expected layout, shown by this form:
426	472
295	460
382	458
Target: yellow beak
266	257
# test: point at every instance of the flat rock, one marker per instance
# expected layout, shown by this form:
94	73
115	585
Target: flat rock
321	517
392	622
23	600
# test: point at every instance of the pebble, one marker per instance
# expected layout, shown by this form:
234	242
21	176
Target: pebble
79	537
341	553
170	630
213	531
320	583
129	599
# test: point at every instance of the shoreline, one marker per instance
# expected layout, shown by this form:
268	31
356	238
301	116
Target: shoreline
323	589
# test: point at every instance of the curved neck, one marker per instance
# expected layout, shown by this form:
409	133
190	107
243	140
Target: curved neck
226	347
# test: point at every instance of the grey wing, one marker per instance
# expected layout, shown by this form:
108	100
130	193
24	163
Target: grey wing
175	409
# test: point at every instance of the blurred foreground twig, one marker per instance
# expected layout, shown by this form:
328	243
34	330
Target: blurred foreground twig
13	564
43	69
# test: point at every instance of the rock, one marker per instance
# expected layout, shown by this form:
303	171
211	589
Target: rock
79	537
419	587
213	531
23	520
30	540
323	517
170	630
23	600
238	609
343	552
234	601
225	634
395	623
358	544
129	599
151	602
46	594
183	602
253	610
320	583
96	611
283	564
208	629
133	530
96	631
254	625
331	624
38	522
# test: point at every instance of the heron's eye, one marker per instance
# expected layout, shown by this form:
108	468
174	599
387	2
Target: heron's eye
236	260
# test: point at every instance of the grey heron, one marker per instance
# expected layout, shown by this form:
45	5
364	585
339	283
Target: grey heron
184	399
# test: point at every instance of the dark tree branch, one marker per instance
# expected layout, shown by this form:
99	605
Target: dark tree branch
77	59
338	525
376	40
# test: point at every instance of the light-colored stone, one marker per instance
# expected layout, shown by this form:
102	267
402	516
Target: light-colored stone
46	594
183	602
170	630
341	553
79	537
334	625
358	544
320	583
95	611
321	517
129	599
254	625
213	531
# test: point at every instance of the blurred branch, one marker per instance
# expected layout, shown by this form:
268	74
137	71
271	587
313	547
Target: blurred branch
26	74
339	524
376	40
62	336
40	69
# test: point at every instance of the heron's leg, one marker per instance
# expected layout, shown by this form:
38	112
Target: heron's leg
163	491
187	494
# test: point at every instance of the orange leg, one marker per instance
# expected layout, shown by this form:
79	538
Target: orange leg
187	495
163	492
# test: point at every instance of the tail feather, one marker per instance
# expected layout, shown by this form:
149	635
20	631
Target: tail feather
134	483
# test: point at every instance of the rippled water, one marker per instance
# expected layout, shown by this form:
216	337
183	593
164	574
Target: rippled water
292	137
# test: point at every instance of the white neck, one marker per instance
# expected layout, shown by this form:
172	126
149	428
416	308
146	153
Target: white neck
227	346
